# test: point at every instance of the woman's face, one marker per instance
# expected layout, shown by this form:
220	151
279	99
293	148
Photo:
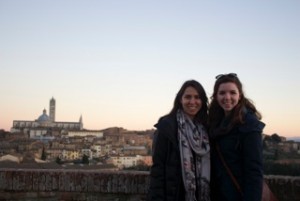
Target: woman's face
191	102
228	96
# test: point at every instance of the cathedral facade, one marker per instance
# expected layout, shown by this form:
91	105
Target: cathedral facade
44	124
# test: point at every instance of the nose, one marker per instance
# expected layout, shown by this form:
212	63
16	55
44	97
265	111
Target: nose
193	100
227	96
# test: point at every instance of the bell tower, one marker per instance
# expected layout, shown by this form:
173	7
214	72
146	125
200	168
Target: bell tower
52	110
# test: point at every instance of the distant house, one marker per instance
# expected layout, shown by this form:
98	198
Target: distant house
289	146
129	161
135	150
70	154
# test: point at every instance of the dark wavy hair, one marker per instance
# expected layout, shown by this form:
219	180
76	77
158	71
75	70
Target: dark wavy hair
216	112
202	115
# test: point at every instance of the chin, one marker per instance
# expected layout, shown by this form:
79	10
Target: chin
227	111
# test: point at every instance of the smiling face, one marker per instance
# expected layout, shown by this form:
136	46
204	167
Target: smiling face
191	102
228	96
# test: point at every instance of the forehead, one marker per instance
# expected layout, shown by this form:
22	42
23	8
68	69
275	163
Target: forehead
228	86
190	90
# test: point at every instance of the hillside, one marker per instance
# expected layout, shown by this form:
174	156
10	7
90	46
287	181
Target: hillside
296	139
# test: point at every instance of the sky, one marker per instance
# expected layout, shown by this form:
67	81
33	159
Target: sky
121	62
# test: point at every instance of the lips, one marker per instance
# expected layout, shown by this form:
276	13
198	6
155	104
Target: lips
193	108
227	106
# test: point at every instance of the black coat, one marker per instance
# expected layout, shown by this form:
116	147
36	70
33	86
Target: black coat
241	148
166	182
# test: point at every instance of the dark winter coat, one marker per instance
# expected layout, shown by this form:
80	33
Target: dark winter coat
241	148
166	182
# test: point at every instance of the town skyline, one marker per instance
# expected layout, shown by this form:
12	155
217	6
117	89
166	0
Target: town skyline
53	107
121	63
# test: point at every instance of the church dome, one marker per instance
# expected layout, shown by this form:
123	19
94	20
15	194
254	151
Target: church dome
44	117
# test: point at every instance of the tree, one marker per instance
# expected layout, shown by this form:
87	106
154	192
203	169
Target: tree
85	159
276	154
265	146
58	160
276	138
44	156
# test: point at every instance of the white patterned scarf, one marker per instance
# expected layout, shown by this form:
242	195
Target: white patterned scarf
195	159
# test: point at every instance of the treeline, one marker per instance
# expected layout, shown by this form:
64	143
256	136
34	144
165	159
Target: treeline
273	155
271	168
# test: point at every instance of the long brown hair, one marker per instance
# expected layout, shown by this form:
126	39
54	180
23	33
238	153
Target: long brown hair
216	112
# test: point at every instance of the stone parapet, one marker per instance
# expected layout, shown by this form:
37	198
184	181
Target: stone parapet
86	185
286	188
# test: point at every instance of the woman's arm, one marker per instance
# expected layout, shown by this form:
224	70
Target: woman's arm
157	173
252	166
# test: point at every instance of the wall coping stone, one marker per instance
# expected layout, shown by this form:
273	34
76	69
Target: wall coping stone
109	182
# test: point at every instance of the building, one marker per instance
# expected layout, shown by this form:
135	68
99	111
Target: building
44	124
124	161
85	133
135	150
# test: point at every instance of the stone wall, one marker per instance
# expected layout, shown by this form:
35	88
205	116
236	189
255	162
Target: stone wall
84	185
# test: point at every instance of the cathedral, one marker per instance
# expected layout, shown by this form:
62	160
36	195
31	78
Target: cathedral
45	124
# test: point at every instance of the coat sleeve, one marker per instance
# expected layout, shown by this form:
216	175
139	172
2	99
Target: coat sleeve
157	172
252	161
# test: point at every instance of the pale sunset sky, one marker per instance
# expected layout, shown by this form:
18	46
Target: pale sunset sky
121	62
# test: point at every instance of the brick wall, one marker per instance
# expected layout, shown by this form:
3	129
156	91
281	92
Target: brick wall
83	185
